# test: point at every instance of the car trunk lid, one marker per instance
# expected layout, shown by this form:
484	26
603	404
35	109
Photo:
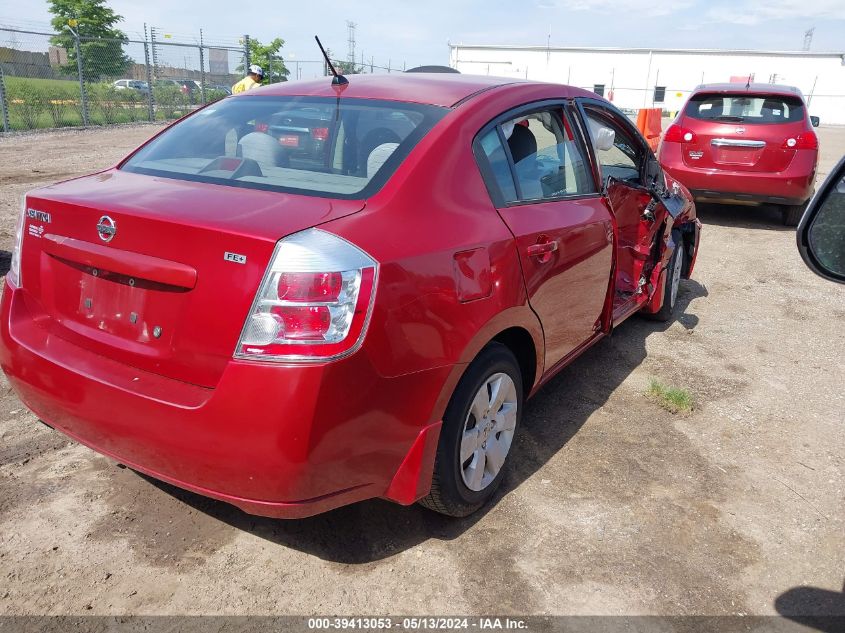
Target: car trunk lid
157	273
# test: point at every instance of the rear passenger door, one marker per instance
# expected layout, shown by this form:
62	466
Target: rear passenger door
535	164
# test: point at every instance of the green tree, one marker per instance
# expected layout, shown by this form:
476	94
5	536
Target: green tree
102	56
267	56
347	68
343	67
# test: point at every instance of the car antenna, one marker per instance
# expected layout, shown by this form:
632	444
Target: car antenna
339	80
748	83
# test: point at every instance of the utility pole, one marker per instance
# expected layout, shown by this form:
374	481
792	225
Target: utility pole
808	38
350	31
83	98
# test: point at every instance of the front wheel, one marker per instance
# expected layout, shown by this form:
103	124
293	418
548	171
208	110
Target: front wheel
479	426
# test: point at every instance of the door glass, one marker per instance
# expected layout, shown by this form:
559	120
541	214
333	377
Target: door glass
548	161
498	162
617	153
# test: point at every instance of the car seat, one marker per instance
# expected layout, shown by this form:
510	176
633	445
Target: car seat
379	156
522	143
772	110
263	149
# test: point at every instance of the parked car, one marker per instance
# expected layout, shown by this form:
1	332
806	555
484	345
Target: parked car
744	144
290	340
188	87
132	84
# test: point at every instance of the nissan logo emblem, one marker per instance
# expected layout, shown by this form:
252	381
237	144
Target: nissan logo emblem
106	228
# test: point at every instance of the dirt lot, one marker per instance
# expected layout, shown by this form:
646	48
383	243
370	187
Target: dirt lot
614	506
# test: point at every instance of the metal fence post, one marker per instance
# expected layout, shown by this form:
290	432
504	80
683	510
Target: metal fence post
82	97
151	113
3	104
202	72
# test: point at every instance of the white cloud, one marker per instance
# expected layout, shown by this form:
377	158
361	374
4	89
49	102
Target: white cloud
752	12
616	7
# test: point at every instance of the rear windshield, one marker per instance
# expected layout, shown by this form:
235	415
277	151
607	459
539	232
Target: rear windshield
745	108
338	148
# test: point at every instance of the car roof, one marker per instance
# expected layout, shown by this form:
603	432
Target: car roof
753	88
440	89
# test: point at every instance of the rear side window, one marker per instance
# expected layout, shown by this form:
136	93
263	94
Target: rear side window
344	148
745	108
543	155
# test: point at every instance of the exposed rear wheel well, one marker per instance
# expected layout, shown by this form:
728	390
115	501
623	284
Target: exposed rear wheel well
520	343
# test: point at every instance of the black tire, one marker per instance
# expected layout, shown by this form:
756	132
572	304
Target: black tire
670	297
449	494
791	214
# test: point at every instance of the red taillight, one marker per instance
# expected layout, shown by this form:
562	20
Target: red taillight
309	287
314	303
805	140
320	133
303	323
678	134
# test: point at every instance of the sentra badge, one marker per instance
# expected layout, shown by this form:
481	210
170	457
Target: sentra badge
35	214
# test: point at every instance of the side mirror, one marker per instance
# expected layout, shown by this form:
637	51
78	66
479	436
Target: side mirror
814	121
821	232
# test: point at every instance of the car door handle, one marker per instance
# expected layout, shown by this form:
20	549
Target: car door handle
542	248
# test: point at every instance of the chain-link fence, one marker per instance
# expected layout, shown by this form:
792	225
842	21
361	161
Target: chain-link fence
61	79
50	80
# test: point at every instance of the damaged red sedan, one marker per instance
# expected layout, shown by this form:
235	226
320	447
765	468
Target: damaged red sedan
314	294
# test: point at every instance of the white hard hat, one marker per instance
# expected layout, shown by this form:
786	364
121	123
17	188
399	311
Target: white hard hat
255	69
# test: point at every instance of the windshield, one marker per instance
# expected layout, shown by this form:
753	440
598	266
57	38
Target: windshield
745	108
340	148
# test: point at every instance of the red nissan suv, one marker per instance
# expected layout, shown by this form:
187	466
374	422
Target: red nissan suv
293	333
744	144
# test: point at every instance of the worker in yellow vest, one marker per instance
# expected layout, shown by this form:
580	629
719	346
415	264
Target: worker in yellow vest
253	79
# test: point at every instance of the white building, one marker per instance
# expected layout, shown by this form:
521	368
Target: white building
634	78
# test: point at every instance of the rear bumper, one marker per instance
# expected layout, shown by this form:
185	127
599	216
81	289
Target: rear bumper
792	186
282	441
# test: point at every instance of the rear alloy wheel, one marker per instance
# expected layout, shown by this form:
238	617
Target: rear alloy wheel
673	284
791	214
478	431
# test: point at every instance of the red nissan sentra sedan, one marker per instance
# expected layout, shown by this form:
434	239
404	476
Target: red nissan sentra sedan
293	332
744	144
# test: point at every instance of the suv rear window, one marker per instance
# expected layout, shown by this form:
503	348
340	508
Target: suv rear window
745	108
338	148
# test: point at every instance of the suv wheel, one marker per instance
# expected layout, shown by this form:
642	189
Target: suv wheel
791	215
479	426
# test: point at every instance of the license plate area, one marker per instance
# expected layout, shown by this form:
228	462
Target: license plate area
736	155
112	308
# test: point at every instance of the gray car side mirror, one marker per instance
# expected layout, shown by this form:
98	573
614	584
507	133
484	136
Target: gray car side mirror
821	232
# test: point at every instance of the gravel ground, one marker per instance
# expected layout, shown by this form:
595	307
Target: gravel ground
613	505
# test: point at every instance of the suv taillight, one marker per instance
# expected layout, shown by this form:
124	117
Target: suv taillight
14	274
805	140
314	302
678	134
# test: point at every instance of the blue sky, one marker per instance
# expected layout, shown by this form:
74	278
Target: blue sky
417	31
